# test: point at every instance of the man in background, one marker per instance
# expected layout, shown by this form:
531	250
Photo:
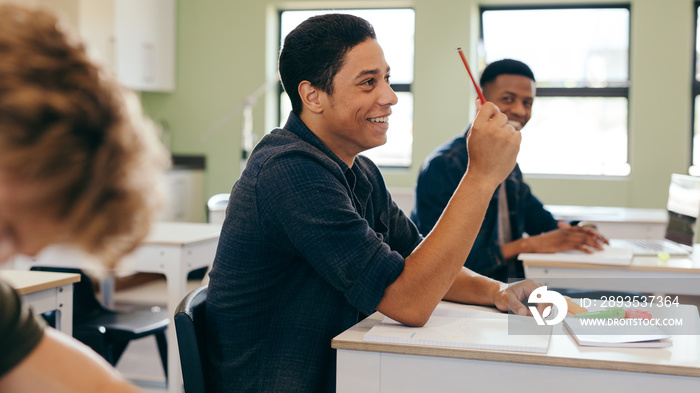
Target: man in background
513	210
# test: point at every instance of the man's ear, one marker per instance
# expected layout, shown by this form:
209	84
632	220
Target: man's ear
310	97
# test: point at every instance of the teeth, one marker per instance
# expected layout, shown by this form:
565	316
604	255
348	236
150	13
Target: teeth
379	119
518	125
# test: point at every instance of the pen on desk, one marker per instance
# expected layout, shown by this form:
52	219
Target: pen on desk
476	86
574	308
612	312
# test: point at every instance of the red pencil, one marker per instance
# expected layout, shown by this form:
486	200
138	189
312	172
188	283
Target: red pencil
478	90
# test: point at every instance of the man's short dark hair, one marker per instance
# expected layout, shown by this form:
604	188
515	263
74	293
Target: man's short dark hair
505	66
314	51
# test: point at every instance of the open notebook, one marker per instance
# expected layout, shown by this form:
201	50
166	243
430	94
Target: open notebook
475	330
683	210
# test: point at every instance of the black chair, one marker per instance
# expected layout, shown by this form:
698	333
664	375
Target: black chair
106	331
191	340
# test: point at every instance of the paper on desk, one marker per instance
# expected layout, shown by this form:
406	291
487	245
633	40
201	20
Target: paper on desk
616	335
462	332
607	256
451	309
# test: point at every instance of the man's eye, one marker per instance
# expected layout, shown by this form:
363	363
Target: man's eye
369	82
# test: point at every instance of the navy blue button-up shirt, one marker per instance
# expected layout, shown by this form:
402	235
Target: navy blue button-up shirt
437	181
307	247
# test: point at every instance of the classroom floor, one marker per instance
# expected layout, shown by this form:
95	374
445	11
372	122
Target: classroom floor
141	362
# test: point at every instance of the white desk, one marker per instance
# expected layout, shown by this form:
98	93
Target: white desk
391	368
171	249
679	276
46	291
617	222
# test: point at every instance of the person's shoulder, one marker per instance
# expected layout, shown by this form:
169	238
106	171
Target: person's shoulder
282	153
517	173
452	153
366	163
369	168
284	144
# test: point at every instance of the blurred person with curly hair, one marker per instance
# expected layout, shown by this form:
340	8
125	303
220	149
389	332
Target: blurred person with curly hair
79	165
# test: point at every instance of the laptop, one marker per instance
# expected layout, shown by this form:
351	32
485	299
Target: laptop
683	211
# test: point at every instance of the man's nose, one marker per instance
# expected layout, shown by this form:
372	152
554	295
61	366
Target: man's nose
388	96
519	109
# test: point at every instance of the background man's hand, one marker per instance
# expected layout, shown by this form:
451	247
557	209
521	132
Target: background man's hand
581	238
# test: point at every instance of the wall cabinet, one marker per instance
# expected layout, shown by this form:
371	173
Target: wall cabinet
133	38
145	44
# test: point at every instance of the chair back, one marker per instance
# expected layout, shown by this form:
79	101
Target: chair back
191	340
216	208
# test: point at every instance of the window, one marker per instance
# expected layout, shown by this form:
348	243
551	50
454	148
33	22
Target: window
582	75
695	146
395	33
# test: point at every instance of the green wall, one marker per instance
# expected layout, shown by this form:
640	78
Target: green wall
227	49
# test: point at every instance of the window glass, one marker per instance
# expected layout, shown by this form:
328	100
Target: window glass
695	159
582	75
579	54
695	169
576	135
395	33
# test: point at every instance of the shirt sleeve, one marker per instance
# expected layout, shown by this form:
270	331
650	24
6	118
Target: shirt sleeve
308	209
405	236
20	331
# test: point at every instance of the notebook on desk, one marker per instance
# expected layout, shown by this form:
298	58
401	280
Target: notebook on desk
683	209
473	331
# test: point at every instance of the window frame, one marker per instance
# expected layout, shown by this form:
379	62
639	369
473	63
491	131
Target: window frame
604	92
694	91
397	87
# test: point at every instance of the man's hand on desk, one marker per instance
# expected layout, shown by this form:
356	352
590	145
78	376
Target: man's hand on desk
579	237
512	297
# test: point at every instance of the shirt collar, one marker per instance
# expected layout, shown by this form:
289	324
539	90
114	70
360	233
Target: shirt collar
295	125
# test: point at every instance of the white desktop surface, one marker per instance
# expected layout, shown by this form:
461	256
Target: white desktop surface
46	291
382	367
636	274
616	222
608	214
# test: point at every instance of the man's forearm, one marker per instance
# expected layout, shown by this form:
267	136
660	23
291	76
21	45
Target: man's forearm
515	248
473	288
434	265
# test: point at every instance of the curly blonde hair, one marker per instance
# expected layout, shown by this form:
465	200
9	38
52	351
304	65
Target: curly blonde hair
68	125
